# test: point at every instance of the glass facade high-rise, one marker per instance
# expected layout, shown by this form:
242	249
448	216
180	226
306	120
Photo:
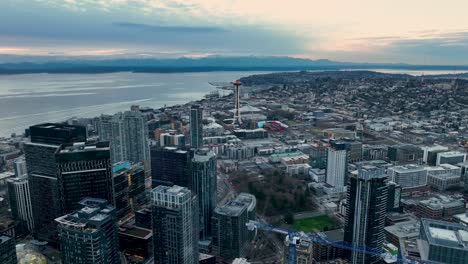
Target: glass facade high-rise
42	172
231	236
171	166
175	225
89	235
204	186
366	203
129	187
83	170
121	198
20	204
196	126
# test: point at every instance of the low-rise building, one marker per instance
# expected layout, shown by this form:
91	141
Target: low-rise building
443	242
451	157
408	176
401	231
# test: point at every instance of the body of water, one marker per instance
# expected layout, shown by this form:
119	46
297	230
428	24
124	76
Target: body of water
29	99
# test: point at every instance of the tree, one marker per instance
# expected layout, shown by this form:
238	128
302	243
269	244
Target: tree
289	218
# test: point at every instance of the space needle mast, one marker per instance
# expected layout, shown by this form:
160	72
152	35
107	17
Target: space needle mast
237	114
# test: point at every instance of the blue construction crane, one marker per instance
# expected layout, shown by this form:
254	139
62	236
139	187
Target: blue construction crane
320	238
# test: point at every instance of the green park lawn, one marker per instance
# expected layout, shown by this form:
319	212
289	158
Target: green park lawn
314	224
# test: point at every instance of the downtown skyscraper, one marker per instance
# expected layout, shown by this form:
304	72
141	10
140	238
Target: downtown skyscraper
175	225
20	204
42	172
89	235
366	205
128	136
196	126
83	170
171	166
231	236
204	180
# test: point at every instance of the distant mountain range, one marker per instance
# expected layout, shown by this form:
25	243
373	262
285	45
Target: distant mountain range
13	65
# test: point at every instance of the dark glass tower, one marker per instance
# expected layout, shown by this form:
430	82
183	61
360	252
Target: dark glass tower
171	166
231	236
365	213
120	187
42	173
129	187
196	126
204	186
83	170
89	235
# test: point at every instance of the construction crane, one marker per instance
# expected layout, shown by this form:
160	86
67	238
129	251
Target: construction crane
320	238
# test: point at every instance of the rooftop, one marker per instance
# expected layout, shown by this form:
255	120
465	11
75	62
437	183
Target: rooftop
406	229
445	234
407	168
451	154
236	207
135	231
286	154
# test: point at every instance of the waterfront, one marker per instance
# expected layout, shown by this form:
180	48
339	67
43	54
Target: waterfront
33	98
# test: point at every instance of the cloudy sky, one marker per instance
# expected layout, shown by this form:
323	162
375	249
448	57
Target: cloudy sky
411	31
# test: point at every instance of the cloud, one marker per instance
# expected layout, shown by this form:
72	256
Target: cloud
177	29
357	30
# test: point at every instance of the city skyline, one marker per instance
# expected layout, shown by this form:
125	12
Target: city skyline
355	31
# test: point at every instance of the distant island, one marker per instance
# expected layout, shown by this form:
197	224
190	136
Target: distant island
206	64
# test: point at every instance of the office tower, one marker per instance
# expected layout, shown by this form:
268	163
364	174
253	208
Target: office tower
89	235
231	238
171	166
42	172
318	155
365	212
20	204
20	167
175	225
121	199
172	140
204	186
83	170
404	154
393	197
336	167
134	176
7	250
196	126
128	136
443	242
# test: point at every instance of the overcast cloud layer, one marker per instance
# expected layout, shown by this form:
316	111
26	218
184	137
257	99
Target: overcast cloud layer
416	31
